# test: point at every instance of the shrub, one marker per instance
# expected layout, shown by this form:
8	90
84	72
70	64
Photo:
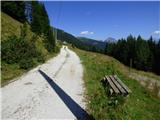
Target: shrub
27	63
21	51
10	49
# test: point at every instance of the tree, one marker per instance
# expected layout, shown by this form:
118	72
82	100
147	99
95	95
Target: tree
36	18
157	58
143	58
15	9
144	54
40	24
51	41
110	49
130	48
40	21
121	51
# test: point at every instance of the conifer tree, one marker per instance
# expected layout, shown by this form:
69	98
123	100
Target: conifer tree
15	9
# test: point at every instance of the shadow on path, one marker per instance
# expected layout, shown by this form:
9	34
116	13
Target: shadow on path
76	109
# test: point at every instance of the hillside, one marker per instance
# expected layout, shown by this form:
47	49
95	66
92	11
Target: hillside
10	28
140	105
82	43
99	45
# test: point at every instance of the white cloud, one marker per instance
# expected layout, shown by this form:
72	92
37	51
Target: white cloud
91	33
157	32
86	33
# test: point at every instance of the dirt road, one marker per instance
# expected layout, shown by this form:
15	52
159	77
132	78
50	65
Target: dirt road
53	90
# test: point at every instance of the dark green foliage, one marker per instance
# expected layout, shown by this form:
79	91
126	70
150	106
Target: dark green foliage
144	58
144	54
26	63
95	45
109	49
40	24
36	17
51	41
63	36
15	9
39	21
157	58
19	50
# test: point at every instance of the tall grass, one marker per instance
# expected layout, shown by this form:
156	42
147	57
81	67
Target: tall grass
140	105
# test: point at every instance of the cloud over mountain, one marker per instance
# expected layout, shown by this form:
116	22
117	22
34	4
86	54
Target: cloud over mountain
86	33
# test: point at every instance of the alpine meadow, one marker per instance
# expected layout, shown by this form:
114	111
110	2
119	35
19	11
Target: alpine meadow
80	60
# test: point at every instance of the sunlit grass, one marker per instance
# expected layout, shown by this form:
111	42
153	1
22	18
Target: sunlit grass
9	27
140	105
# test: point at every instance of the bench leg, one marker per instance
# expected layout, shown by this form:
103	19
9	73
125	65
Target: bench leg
110	91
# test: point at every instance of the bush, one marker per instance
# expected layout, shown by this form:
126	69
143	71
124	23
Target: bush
27	63
21	51
10	49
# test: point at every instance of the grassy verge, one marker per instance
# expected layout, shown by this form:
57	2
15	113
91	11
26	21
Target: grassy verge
21	49
11	71
140	105
9	26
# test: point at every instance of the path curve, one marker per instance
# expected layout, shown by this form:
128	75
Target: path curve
53	90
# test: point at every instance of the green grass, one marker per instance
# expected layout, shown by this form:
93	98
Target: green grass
10	27
140	105
9	72
12	71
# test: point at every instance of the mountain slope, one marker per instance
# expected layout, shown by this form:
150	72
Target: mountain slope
139	105
82	43
9	26
64	36
91	42
12	27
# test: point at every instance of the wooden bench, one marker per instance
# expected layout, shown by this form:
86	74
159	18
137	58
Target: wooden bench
115	85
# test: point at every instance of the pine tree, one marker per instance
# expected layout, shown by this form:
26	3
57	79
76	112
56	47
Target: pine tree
51	40
157	58
143	59
15	9
36	18
130	47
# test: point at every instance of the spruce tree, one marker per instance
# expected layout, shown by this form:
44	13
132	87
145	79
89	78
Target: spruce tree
15	9
143	59
36	18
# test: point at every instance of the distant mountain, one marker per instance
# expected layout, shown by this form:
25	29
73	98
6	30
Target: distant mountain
81	42
99	45
110	40
64	36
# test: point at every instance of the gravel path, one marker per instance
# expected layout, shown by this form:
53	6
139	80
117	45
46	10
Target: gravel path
53	90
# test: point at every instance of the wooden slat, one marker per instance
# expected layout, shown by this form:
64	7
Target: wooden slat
121	89
112	85
122	84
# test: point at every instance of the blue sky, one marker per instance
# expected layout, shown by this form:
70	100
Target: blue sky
100	20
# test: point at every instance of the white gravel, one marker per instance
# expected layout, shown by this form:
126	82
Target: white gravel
53	90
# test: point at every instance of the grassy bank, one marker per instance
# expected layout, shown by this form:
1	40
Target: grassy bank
12	71
21	49
140	105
